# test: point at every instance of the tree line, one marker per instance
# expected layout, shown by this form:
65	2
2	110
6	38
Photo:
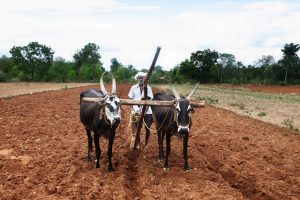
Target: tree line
36	62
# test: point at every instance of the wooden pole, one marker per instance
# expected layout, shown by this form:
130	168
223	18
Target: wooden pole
138	131
143	102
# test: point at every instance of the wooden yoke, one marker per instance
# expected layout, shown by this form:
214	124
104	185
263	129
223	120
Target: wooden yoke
143	102
138	131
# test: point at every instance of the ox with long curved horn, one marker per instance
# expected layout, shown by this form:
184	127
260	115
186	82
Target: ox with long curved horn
113	90
192	92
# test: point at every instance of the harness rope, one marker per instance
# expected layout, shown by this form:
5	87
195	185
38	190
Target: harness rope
151	130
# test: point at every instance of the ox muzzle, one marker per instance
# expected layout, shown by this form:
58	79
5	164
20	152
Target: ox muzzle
184	130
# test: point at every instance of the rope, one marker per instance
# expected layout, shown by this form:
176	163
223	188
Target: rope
151	130
154	131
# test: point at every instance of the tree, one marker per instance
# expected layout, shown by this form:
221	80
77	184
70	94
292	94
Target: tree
187	70
6	68
89	57
290	57
265	63
61	69
115	64
206	64
225	60
33	59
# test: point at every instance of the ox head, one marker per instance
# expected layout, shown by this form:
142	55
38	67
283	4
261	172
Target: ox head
183	111
111	102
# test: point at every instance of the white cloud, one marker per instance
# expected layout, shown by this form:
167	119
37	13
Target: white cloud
131	32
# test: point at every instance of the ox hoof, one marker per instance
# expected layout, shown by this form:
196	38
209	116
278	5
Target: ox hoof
187	169
166	169
110	169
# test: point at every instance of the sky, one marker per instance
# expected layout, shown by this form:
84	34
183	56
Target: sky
131	30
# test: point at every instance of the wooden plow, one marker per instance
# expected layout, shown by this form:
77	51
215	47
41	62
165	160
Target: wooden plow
144	102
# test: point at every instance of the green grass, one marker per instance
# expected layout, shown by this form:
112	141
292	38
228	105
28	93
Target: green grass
288	123
262	114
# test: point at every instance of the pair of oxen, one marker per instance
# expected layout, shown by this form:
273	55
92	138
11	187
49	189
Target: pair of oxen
103	118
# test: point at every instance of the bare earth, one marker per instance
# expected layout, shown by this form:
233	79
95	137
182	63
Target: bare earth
43	155
18	88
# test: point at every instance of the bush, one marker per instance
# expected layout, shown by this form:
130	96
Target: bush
3	77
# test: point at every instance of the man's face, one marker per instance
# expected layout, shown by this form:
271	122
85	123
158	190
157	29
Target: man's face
141	80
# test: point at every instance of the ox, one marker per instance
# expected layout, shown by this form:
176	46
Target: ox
101	117
173	120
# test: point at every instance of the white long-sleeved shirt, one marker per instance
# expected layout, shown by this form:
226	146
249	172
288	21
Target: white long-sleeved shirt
136	94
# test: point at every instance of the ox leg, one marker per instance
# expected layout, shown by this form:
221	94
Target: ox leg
185	153
148	121
168	149
109	152
97	147
147	135
90	144
160	146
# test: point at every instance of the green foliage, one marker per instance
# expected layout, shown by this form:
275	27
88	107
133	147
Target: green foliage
71	75
262	114
209	100
290	125
115	65
34	60
176	75
89	55
290	61
59	70
91	73
206	64
159	75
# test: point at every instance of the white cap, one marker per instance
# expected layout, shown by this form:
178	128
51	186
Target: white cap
139	74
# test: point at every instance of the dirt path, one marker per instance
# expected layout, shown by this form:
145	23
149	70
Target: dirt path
43	155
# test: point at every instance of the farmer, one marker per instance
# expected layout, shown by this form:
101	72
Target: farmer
137	93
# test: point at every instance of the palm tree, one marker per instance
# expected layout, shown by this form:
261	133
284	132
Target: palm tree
289	56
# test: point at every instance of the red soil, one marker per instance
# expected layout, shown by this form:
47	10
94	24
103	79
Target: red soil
43	155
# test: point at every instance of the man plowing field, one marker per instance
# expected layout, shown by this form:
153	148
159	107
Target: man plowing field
137	93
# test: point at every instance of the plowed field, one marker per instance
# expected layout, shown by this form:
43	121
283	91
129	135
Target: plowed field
43	155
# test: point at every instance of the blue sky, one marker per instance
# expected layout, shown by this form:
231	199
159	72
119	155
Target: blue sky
130	30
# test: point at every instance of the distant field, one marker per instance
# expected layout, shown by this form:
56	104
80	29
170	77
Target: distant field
18	88
278	105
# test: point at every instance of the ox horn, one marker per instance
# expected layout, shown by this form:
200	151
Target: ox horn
113	86
174	92
192	92
102	85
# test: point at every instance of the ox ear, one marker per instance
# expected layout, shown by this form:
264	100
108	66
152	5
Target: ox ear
192	92
102	84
